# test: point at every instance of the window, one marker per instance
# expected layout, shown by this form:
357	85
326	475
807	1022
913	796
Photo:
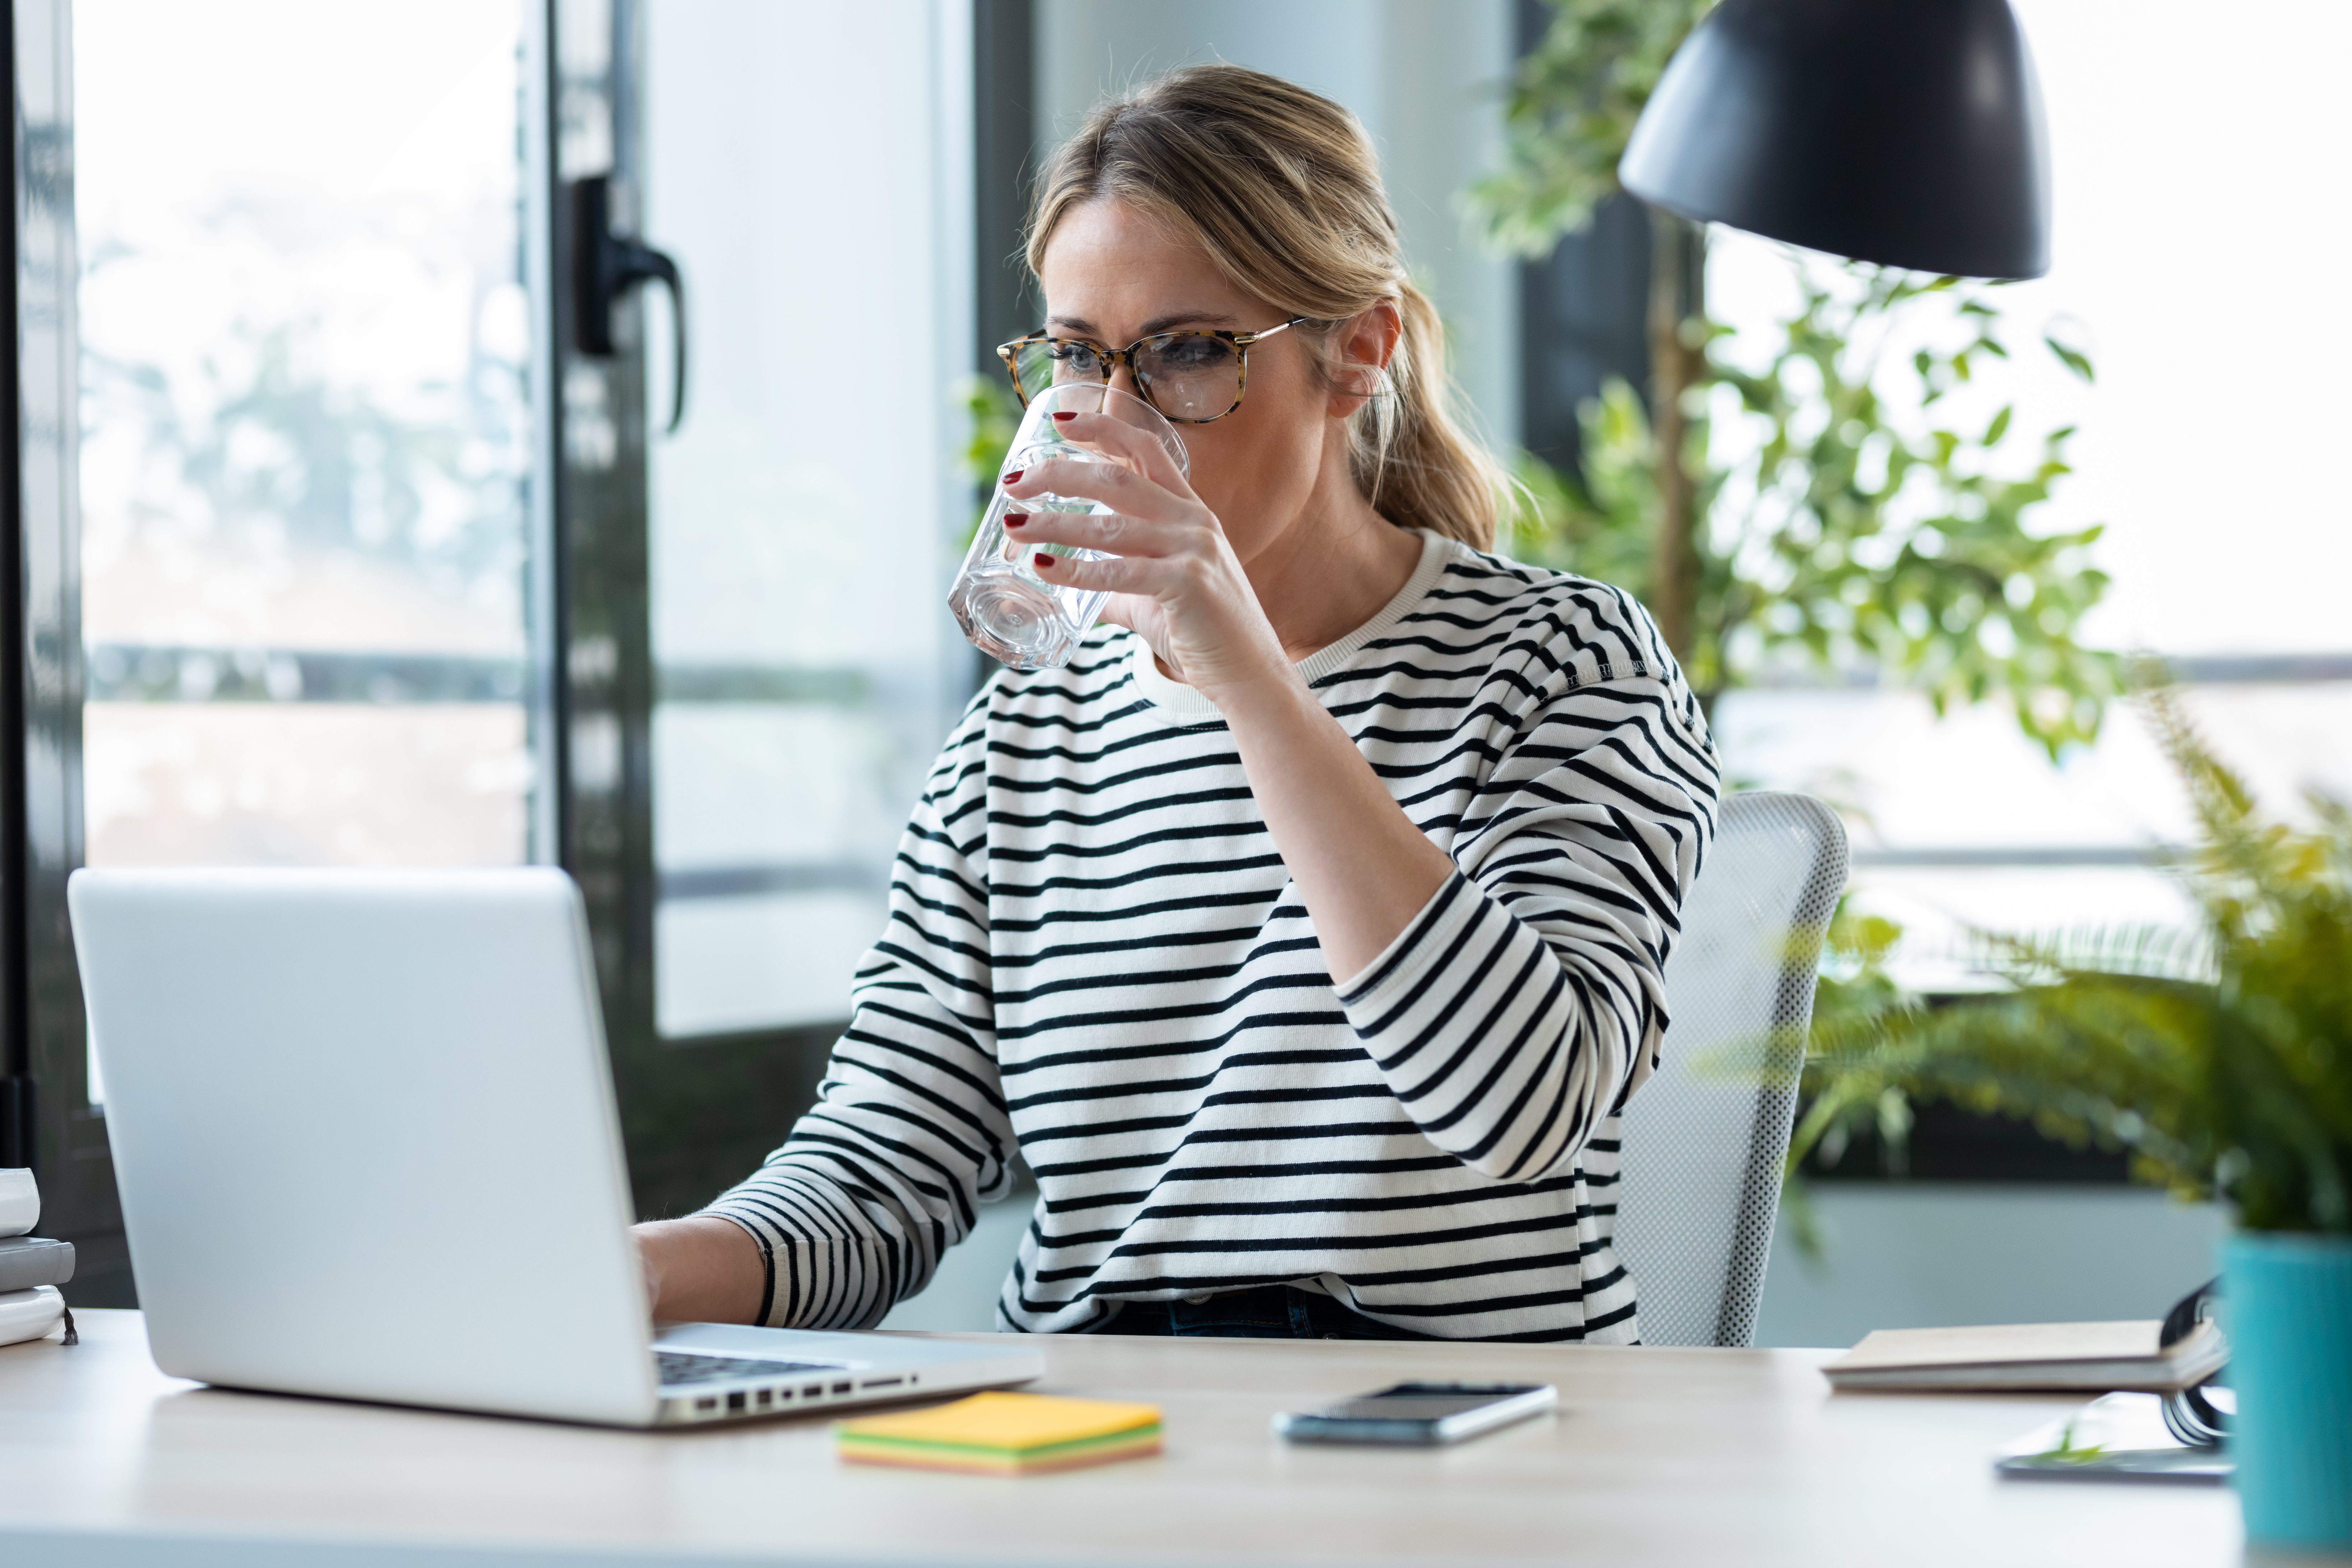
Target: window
2207	448
305	446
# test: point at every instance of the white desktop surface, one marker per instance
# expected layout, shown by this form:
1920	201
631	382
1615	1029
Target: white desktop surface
1656	1457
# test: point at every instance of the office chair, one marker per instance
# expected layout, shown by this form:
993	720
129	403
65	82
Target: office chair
1705	1137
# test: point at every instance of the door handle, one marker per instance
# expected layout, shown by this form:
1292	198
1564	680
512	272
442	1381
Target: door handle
605	265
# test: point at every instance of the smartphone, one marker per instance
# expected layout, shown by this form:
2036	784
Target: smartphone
1421	1414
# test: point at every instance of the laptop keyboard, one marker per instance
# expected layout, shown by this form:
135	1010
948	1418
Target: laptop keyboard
678	1367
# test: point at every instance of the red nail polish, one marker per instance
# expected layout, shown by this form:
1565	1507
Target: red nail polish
1065	417
1015	518
1040	561
1014	477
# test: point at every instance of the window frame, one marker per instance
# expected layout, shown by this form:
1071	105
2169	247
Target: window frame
55	1129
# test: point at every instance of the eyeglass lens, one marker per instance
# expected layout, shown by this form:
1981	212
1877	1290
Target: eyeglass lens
1185	375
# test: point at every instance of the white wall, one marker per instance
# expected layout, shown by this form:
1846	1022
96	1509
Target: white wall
1425	75
805	517
1935	1254
961	1297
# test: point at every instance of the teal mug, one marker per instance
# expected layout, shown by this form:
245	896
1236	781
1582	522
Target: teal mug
2287	1305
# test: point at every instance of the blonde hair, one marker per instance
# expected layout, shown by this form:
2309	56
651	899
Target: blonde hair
1281	188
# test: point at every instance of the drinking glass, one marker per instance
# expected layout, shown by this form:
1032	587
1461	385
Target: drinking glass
1004	607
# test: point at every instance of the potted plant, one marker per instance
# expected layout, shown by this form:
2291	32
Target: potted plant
2222	1059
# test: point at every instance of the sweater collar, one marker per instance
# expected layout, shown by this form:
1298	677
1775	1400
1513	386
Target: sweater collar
1186	706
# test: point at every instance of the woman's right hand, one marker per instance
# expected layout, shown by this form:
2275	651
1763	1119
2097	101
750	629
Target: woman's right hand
1172	576
703	1270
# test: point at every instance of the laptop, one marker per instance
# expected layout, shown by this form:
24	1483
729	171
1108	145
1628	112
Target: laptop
364	1136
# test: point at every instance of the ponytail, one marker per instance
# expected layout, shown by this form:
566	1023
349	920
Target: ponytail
1416	466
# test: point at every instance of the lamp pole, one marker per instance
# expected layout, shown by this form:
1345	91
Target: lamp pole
1678	296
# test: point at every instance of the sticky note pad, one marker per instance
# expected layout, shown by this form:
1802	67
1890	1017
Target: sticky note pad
1004	1433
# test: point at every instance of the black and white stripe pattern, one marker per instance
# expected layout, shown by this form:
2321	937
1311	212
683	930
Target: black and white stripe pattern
1093	955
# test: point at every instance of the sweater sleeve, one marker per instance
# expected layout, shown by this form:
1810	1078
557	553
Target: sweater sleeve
1523	1004
908	1135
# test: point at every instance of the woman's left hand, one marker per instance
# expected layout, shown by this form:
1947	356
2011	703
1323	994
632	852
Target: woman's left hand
1172	576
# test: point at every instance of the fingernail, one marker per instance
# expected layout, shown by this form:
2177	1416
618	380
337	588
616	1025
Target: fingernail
1040	561
1014	477
1015	518
1065	417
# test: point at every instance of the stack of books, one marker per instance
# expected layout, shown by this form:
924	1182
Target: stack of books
30	1267
1006	1435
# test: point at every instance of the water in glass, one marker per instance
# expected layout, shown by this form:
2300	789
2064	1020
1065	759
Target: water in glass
1004	606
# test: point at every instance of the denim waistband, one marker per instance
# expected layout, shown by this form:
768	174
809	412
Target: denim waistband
1256	1312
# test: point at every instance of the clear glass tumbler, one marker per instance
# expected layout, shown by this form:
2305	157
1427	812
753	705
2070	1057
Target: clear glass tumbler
1004	607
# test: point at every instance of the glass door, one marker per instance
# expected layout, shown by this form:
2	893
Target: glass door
753	563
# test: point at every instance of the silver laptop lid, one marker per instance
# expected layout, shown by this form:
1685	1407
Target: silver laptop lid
364	1135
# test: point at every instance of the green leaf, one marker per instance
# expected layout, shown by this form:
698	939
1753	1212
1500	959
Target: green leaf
2072	358
1571	104
1999	425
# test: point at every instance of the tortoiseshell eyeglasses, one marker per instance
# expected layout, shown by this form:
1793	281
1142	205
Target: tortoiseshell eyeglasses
1192	377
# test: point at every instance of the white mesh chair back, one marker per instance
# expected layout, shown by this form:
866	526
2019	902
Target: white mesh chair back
1705	1136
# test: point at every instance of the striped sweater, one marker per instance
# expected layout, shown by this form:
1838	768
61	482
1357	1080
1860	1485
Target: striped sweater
1095	957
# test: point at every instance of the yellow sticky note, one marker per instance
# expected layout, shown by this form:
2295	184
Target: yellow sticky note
1004	1433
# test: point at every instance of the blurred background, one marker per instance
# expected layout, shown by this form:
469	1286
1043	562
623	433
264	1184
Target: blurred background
376	559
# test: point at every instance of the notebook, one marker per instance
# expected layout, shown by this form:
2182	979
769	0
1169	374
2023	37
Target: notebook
2115	1437
26	1261
2089	1357
1004	1433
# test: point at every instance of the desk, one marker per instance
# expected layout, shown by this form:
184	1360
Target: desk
1667	1456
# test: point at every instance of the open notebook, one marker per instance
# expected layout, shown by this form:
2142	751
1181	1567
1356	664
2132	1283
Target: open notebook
2115	1437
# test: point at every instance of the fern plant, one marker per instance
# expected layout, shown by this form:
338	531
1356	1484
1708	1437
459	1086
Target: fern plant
2220	1058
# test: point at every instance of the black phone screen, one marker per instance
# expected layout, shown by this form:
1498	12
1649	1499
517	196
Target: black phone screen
1423	1401
1420	1413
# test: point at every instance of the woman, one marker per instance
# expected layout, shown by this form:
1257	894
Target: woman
1305	933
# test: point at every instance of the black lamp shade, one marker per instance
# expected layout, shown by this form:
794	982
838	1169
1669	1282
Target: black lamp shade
1907	133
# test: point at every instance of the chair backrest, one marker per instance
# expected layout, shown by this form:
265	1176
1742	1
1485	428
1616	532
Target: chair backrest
1705	1137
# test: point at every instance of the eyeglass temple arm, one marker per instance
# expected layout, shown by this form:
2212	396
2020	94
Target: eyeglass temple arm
1246	340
